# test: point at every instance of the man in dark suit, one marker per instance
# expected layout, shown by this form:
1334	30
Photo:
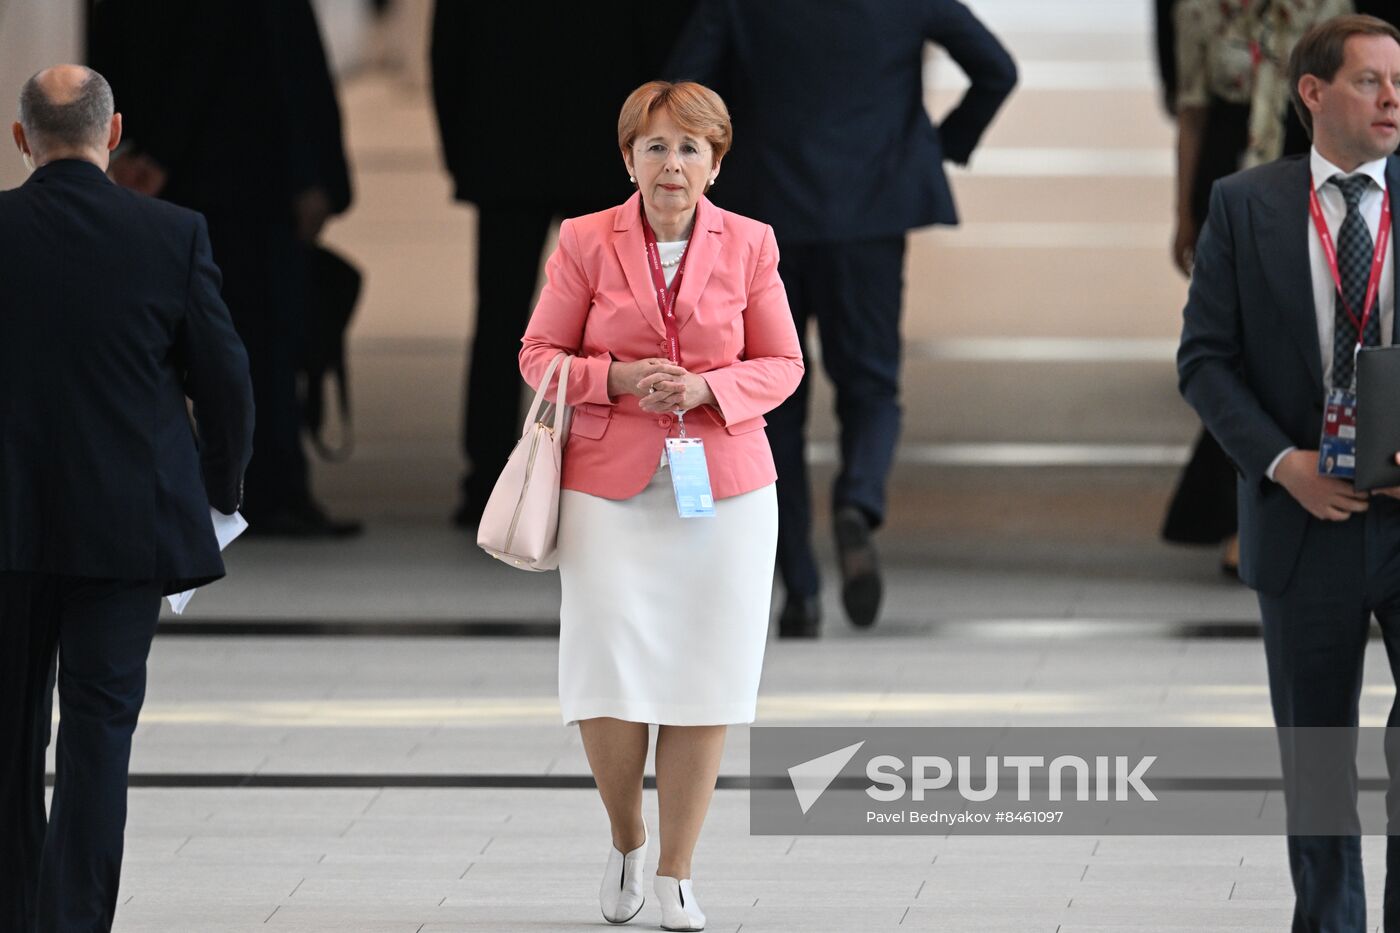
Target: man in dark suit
833	147
110	318
527	148
1266	334
231	111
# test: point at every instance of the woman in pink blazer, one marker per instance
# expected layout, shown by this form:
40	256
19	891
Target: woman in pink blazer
664	619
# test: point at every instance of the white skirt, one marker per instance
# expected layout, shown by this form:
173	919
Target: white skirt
664	619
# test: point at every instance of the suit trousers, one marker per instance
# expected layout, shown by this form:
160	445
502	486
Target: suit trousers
265	282
854	291
60	873
1315	637
510	239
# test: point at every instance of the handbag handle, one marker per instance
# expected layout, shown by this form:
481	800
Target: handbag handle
560	403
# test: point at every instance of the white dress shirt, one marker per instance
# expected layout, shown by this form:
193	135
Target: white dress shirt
1334	211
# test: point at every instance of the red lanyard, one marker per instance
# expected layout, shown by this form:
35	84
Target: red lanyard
666	295
1377	261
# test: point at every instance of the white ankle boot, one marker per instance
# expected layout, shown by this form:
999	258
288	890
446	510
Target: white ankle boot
620	895
679	908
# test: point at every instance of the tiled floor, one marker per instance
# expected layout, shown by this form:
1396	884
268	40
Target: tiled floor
527	860
487	859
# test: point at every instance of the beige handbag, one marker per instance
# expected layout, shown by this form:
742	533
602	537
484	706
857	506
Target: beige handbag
521	522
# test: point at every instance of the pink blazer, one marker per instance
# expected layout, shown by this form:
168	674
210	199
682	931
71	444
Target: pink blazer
735	329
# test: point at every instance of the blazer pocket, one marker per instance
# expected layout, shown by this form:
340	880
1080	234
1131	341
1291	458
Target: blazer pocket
744	427
587	421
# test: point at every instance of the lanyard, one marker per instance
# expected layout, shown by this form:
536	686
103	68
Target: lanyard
1377	260
666	295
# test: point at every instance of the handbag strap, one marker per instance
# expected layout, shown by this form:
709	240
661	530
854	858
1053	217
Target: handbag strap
562	401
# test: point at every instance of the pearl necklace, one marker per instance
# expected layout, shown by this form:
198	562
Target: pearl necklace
672	263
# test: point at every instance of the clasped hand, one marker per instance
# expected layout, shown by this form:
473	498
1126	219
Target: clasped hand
1324	497
661	385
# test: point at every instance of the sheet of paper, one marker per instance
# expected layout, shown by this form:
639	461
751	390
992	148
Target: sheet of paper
226	529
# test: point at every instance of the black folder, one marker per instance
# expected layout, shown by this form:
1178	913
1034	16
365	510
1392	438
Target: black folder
1377	417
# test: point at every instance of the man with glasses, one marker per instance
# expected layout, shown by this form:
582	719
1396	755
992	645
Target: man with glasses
1292	274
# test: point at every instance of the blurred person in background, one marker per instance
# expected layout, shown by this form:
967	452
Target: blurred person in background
842	159
494	65
231	110
1232	111
1274	128
1215	63
1164	40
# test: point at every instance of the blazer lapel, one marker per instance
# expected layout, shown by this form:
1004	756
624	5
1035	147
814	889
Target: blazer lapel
1281	232
704	250
631	247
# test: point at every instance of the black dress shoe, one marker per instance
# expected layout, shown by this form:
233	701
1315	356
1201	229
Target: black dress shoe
305	521
861	586
801	617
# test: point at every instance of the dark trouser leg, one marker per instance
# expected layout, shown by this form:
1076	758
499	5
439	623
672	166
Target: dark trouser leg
27	640
787	436
1315	641
858	310
1202	510
1389	618
510	238
1383	547
104	632
264	284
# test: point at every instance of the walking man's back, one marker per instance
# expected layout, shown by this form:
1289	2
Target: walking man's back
110	318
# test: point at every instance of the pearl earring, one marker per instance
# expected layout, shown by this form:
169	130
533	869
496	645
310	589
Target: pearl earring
631	179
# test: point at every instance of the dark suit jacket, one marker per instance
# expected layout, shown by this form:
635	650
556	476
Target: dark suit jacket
110	316
831	139
527	94
233	97
1249	360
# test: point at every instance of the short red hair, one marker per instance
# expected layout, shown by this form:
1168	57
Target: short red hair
695	108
